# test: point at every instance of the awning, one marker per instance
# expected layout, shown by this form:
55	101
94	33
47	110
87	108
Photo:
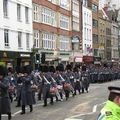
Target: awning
78	59
48	59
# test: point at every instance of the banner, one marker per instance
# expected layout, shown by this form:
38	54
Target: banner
101	49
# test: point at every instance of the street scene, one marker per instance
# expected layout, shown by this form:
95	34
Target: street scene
59	59
81	107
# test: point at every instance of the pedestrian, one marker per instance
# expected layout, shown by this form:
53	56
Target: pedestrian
111	111
5	107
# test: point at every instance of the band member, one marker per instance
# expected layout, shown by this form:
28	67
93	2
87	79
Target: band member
11	78
62	77
55	80
76	80
47	83
5	107
39	81
70	75
26	91
84	78
18	86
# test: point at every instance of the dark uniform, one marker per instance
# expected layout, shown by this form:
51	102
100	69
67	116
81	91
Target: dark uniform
47	83
5	107
70	75
26	91
77	80
62	77
39	81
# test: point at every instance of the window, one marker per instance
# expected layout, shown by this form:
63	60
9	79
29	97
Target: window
64	4
52	1
5	8
35	13
6	37
94	8
95	52
27	40
48	16
18	12
36	39
95	38
26	14
95	23
85	3
64	22
19	39
49	41
85	33
64	43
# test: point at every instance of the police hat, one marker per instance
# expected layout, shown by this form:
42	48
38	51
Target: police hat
19	69
51	69
68	67
45	69
115	90
2	70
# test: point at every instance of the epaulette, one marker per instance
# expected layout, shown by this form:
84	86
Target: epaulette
108	113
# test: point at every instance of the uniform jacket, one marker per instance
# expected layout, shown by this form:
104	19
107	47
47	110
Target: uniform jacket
5	107
110	111
26	91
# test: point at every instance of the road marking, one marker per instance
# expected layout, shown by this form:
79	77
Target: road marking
93	111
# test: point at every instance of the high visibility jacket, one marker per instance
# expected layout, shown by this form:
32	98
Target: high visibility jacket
110	111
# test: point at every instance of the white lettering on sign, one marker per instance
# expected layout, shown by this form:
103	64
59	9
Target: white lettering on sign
24	55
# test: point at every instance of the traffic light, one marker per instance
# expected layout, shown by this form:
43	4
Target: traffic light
42	58
37	58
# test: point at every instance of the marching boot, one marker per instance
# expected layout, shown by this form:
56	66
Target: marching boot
18	103
45	102
39	96
51	102
87	90
79	92
56	99
23	110
82	90
9	116
31	108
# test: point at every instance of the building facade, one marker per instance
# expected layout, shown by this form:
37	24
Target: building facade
112	3
16	32
76	56
94	5
87	31
102	36
52	29
112	15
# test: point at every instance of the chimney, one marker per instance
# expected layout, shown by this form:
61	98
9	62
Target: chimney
105	7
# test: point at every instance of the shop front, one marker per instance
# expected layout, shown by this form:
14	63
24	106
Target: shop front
88	60
7	59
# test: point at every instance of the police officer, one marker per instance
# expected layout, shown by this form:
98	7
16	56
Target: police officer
111	111
4	96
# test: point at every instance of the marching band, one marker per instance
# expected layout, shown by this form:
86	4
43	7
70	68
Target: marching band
49	82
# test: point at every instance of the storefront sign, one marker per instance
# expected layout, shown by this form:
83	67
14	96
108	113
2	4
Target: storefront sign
4	54
87	58
24	55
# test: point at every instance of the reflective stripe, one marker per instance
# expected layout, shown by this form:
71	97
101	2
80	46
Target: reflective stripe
101	117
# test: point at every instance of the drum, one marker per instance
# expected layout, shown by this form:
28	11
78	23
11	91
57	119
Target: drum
60	88
53	91
34	88
67	87
11	89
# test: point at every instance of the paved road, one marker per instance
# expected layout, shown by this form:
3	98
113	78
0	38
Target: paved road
82	107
